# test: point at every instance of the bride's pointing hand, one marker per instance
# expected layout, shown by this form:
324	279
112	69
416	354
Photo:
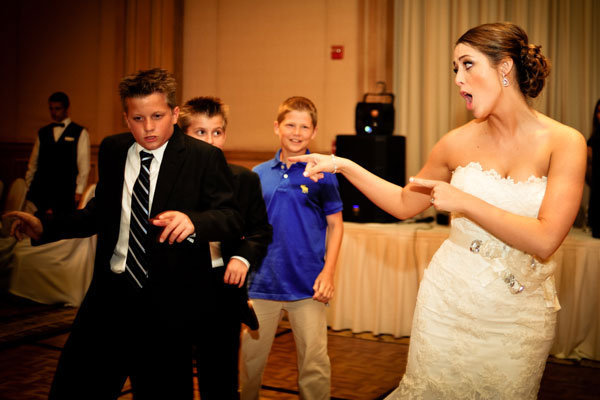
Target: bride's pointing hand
444	196
316	164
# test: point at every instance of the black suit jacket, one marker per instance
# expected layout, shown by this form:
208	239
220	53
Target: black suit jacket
256	232
193	178
217	362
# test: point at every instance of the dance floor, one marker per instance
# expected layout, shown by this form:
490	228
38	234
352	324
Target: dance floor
364	366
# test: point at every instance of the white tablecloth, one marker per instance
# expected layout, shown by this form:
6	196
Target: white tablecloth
53	273
578	281
380	266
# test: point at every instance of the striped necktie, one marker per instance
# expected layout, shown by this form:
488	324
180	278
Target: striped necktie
137	259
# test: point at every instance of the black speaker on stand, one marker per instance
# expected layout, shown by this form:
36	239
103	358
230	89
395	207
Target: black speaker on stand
383	155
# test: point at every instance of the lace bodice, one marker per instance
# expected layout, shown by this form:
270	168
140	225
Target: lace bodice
522	198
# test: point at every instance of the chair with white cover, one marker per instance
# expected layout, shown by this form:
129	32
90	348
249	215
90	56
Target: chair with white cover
54	273
15	199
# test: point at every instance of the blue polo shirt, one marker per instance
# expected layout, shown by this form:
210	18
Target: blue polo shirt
297	209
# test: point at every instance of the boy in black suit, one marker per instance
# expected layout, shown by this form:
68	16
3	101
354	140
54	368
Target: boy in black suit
205	118
161	197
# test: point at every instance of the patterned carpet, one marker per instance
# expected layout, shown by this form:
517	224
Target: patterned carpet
23	321
355	360
364	366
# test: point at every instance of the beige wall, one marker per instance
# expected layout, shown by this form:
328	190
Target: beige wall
254	54
82	48
69	46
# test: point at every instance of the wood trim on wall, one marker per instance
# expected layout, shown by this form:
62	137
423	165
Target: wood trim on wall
14	157
247	158
13	161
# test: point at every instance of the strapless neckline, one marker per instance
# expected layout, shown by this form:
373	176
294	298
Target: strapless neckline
496	175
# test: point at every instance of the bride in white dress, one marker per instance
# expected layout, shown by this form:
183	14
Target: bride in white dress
512	179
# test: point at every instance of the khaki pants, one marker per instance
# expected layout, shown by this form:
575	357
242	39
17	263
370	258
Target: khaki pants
309	326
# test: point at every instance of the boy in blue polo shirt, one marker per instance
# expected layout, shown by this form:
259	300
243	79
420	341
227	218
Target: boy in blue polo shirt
297	274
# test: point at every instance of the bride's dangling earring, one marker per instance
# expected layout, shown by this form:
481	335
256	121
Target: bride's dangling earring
504	80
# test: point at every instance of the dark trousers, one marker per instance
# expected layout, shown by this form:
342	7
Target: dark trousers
116	335
218	342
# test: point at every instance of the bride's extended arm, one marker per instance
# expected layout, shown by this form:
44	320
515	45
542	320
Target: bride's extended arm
401	202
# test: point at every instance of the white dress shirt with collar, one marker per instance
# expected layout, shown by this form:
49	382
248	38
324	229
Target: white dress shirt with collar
132	170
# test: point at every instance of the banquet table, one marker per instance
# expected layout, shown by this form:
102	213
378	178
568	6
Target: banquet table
380	266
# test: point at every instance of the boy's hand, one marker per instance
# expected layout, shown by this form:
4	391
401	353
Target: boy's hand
178	226
323	287
236	271
24	224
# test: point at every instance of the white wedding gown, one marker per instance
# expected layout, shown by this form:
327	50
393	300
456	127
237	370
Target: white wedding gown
472	338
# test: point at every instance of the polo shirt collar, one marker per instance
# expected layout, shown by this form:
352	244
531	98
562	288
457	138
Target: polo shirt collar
276	161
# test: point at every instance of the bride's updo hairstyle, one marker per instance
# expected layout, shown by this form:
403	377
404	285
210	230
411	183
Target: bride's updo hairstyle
505	39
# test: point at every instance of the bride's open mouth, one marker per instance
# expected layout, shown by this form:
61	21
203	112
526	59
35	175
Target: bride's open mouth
468	98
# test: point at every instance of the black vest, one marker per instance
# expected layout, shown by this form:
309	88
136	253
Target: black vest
55	179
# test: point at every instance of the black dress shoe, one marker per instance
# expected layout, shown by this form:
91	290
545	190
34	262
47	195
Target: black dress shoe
248	316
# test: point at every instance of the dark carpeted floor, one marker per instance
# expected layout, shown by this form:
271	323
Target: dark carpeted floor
23	321
363	366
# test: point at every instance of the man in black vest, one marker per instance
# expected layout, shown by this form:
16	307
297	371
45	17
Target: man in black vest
60	161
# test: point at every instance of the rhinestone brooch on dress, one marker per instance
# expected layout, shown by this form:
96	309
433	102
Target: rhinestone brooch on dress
475	246
514	285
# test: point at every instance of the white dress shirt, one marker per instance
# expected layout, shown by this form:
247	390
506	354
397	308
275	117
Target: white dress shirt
217	259
83	157
132	170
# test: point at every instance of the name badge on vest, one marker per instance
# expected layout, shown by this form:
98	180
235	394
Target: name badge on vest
69	139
